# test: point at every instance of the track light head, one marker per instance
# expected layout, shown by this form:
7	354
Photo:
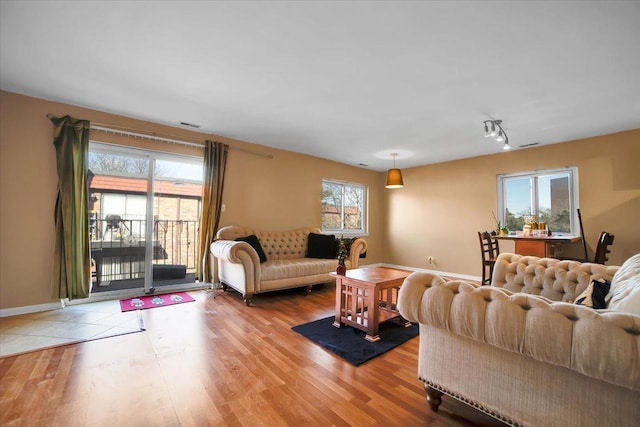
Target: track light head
496	130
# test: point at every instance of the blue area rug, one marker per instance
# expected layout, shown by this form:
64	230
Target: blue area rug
349	343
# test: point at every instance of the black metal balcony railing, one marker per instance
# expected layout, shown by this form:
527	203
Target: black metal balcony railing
118	246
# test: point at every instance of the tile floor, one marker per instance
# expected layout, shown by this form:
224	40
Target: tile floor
75	323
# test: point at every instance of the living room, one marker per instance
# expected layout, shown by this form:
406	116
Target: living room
437	214
444	204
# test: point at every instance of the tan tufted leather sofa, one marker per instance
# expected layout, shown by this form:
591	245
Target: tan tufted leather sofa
286	266
520	351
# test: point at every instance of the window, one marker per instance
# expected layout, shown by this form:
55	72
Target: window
551	195
344	207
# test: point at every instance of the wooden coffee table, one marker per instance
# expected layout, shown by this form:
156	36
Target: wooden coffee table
366	297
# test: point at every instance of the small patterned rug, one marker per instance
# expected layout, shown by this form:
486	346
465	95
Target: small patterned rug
153	301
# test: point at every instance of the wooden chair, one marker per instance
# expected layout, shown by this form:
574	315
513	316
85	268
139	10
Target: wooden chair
489	250
602	249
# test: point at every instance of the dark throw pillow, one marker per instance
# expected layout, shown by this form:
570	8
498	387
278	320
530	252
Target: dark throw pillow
594	295
322	246
255	244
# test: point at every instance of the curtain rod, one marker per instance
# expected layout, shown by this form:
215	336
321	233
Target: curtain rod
154	136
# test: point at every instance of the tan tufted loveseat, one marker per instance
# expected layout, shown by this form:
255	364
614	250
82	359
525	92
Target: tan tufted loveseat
286	266
520	351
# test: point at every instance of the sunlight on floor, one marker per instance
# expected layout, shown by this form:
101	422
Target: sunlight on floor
72	324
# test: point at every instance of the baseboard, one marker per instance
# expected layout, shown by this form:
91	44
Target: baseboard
424	270
102	296
130	293
14	311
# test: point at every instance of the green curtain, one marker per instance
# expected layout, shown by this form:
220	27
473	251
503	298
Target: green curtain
215	163
72	263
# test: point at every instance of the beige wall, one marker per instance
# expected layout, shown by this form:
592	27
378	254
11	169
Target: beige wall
442	207
437	213
280	193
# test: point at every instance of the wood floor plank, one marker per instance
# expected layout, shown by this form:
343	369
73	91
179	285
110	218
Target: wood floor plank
217	362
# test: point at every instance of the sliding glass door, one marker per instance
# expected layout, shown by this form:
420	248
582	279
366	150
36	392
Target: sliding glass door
144	212
177	193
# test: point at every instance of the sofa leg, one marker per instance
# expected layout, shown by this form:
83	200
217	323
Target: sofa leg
308	288
434	397
224	287
247	299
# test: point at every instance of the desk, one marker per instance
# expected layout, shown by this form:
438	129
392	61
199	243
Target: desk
540	246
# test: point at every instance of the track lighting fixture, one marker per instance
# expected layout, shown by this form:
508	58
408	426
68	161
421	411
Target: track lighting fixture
493	128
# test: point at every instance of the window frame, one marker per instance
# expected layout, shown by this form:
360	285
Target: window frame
147	236
574	201
363	231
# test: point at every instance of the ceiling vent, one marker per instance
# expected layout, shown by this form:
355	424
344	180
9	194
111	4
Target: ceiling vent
191	125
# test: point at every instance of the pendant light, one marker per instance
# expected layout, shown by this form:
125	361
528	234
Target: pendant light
394	176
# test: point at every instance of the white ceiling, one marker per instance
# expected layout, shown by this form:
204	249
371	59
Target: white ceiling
347	81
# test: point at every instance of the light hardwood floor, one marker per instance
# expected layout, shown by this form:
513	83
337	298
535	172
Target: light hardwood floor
216	362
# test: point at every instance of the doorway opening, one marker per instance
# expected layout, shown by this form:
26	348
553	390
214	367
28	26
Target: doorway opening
144	217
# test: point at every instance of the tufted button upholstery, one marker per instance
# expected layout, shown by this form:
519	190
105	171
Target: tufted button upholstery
285	245
277	245
600	344
286	266
528	358
558	280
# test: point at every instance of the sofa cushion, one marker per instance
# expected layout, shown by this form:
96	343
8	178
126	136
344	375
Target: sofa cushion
322	246
625	287
300	267
255	244
594	295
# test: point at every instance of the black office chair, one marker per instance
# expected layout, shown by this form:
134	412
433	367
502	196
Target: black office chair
602	249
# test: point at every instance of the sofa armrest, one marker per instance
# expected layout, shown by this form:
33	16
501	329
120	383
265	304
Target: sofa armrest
230	250
601	345
412	290
358	247
238	264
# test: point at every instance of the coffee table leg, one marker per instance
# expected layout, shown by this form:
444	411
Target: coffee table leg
372	338
337	322
373	316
